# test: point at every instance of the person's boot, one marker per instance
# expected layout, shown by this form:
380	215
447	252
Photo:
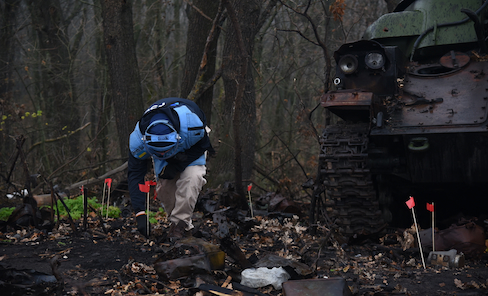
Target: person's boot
177	231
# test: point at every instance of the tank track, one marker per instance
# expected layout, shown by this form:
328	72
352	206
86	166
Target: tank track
351	200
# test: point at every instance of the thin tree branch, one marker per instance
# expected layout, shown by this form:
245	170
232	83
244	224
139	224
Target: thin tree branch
265	175
199	10
266	12
320	42
58	138
74	158
301	34
294	157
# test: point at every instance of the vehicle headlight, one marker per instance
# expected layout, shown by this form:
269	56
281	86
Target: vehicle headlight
374	60
348	64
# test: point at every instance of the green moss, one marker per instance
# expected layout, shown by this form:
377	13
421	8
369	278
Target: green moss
5	213
75	206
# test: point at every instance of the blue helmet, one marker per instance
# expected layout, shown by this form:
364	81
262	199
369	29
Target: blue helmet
160	138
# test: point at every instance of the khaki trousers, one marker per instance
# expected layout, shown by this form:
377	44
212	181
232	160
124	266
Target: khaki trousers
180	194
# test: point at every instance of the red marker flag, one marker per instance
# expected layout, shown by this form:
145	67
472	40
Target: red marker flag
430	207
152	183
144	187
410	203
249	187
109	182
82	191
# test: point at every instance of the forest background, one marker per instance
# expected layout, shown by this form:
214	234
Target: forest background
76	75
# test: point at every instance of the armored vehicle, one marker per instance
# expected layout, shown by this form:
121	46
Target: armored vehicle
410	105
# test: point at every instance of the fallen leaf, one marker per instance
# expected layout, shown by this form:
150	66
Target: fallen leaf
411	262
400	289
459	284
474	284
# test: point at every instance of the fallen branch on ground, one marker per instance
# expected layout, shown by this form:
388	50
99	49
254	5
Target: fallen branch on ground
97	179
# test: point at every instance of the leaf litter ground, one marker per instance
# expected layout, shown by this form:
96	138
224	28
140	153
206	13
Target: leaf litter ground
121	262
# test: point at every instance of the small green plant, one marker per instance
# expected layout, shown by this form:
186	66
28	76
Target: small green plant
113	212
75	206
153	216
5	213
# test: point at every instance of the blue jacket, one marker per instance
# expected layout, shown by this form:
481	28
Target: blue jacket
189	121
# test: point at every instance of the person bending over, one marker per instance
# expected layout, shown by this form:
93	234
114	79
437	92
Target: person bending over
173	133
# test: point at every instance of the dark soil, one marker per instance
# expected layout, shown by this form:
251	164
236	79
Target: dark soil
119	261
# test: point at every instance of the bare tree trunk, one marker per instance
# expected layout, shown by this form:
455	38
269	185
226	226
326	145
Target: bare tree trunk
154	50
176	48
122	66
7	54
200	16
239	73
100	103
251	16
56	95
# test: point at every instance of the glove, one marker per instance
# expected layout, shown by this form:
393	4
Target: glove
142	225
